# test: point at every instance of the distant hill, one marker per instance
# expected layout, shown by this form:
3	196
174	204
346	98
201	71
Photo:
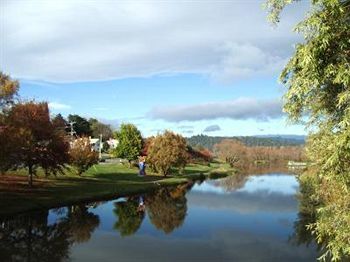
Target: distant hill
293	137
279	140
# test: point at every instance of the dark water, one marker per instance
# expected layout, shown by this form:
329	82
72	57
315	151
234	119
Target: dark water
239	218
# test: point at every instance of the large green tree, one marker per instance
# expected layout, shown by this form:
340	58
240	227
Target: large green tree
317	78
81	125
99	128
130	142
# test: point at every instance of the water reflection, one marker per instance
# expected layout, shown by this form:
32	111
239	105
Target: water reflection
81	223
30	237
302	235
130	215
232	183
239	218
166	209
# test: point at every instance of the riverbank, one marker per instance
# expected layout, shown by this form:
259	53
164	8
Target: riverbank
104	181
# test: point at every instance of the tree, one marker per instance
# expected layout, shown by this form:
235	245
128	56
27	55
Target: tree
81	125
8	145
232	151
105	147
317	78
82	157
99	128
146	143
130	142
199	154
59	122
8	90
166	151
35	142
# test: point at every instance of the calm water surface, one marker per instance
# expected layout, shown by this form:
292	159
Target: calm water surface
239	218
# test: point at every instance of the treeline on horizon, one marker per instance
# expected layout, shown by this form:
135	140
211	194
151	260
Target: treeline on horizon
251	141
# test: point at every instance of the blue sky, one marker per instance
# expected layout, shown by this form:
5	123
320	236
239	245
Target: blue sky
187	66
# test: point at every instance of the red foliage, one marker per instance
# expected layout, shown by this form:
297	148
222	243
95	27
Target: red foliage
202	154
146	143
34	140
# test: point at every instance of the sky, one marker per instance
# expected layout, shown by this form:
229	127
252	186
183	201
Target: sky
194	67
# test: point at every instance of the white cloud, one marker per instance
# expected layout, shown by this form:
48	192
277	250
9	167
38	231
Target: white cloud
59	106
238	109
245	60
97	40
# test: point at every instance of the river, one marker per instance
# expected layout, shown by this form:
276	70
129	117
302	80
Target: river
238	218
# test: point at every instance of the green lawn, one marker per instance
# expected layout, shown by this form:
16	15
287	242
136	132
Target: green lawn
103	181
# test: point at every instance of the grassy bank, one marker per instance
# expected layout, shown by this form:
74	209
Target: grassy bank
104	181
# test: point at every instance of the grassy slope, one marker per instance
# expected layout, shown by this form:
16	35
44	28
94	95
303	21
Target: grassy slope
101	181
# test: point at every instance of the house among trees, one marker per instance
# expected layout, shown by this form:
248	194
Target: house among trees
95	143
113	143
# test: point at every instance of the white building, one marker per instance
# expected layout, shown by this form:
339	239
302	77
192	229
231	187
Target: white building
113	143
95	144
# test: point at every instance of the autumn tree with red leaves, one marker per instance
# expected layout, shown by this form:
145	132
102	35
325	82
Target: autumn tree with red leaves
34	140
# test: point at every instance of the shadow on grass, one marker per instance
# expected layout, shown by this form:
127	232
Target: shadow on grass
118	177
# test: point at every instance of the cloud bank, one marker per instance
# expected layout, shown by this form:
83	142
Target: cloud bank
212	128
238	109
68	41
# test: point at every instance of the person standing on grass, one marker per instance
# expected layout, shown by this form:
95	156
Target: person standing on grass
142	166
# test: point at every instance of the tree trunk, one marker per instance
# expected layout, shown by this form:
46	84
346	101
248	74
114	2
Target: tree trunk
165	172
30	176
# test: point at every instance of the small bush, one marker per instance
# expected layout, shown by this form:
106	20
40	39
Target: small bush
82	157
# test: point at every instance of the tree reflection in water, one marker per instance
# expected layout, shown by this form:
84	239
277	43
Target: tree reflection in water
29	237
307	205
232	183
130	216
166	209
238	180
81	223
